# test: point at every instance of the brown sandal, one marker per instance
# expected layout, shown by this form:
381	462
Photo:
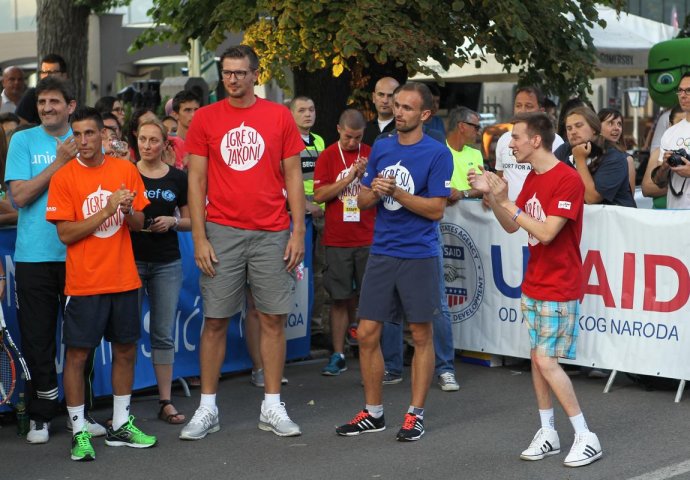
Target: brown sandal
172	418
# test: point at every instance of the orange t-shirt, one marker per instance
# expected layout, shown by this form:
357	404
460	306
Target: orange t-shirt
102	262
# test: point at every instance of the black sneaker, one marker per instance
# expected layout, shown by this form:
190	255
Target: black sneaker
362	423
412	429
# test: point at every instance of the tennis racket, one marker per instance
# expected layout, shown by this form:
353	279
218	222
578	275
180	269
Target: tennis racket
8	353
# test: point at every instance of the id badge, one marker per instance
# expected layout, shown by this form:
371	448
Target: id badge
350	210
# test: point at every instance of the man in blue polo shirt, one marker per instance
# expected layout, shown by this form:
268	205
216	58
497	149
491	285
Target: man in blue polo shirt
408	181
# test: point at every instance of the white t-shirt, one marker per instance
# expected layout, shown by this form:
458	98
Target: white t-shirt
384	123
677	136
514	172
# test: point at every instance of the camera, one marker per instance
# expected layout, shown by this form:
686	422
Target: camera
677	156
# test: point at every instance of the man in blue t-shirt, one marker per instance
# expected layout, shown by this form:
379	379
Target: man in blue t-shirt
33	157
408	181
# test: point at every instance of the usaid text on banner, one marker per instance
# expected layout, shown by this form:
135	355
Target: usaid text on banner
648	276
665	280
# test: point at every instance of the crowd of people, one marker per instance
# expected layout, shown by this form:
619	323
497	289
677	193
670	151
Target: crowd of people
107	194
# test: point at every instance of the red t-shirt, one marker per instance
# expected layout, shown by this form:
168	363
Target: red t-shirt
329	169
102	262
180	152
554	271
245	147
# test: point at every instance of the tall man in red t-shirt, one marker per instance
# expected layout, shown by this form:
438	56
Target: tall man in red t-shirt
348	231
244	158
94	200
550	208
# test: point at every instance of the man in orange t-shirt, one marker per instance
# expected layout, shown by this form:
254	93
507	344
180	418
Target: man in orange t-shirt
94	200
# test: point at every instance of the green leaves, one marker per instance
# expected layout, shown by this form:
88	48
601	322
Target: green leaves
546	40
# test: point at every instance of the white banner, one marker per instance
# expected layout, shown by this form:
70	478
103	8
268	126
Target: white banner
634	314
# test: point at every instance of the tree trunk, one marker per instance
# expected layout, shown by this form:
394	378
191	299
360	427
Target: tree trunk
331	94
63	28
330	97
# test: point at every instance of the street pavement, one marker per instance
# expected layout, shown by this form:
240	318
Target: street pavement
476	433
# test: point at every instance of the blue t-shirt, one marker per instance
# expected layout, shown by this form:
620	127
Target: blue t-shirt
32	151
423	169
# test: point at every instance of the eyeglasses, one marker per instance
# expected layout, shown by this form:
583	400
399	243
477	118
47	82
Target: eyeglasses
239	74
476	126
118	110
683	92
49	72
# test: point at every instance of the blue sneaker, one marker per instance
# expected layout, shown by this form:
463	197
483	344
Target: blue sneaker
336	365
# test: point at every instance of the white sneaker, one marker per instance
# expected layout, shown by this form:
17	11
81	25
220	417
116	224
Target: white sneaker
276	420
544	443
447	382
257	378
38	432
204	421
585	450
92	426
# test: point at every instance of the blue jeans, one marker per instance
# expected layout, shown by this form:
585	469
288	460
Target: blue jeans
162	282
392	334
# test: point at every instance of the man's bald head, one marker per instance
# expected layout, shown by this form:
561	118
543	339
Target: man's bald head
383	97
13	83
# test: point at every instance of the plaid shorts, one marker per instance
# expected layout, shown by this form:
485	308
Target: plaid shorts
552	326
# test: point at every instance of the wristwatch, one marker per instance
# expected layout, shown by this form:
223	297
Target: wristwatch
466	193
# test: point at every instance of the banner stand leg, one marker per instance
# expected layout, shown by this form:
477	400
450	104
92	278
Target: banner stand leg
679	393
609	383
185	386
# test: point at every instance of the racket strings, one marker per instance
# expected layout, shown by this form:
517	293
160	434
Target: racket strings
7	374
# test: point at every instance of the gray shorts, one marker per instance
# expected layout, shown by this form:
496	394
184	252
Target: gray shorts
395	286
253	256
342	277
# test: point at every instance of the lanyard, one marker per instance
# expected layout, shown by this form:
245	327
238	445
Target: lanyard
342	157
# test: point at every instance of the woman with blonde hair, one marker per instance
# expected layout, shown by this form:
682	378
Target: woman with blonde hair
157	253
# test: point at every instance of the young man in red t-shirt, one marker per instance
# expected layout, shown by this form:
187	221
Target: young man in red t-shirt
243	165
348	230
94	200
550	208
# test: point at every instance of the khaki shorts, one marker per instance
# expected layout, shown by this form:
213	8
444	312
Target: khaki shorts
247	256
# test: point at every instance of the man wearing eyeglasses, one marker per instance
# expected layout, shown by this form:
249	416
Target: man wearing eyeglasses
463	128
676	137
527	99
244	159
52	65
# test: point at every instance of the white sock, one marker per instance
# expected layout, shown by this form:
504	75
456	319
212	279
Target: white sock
271	399
76	415
579	423
547	420
120	410
419	412
208	400
375	411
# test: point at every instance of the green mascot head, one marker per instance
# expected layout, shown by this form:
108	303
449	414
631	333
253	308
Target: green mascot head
668	61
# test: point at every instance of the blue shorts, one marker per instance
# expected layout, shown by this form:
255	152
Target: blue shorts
552	326
395	286
88	318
